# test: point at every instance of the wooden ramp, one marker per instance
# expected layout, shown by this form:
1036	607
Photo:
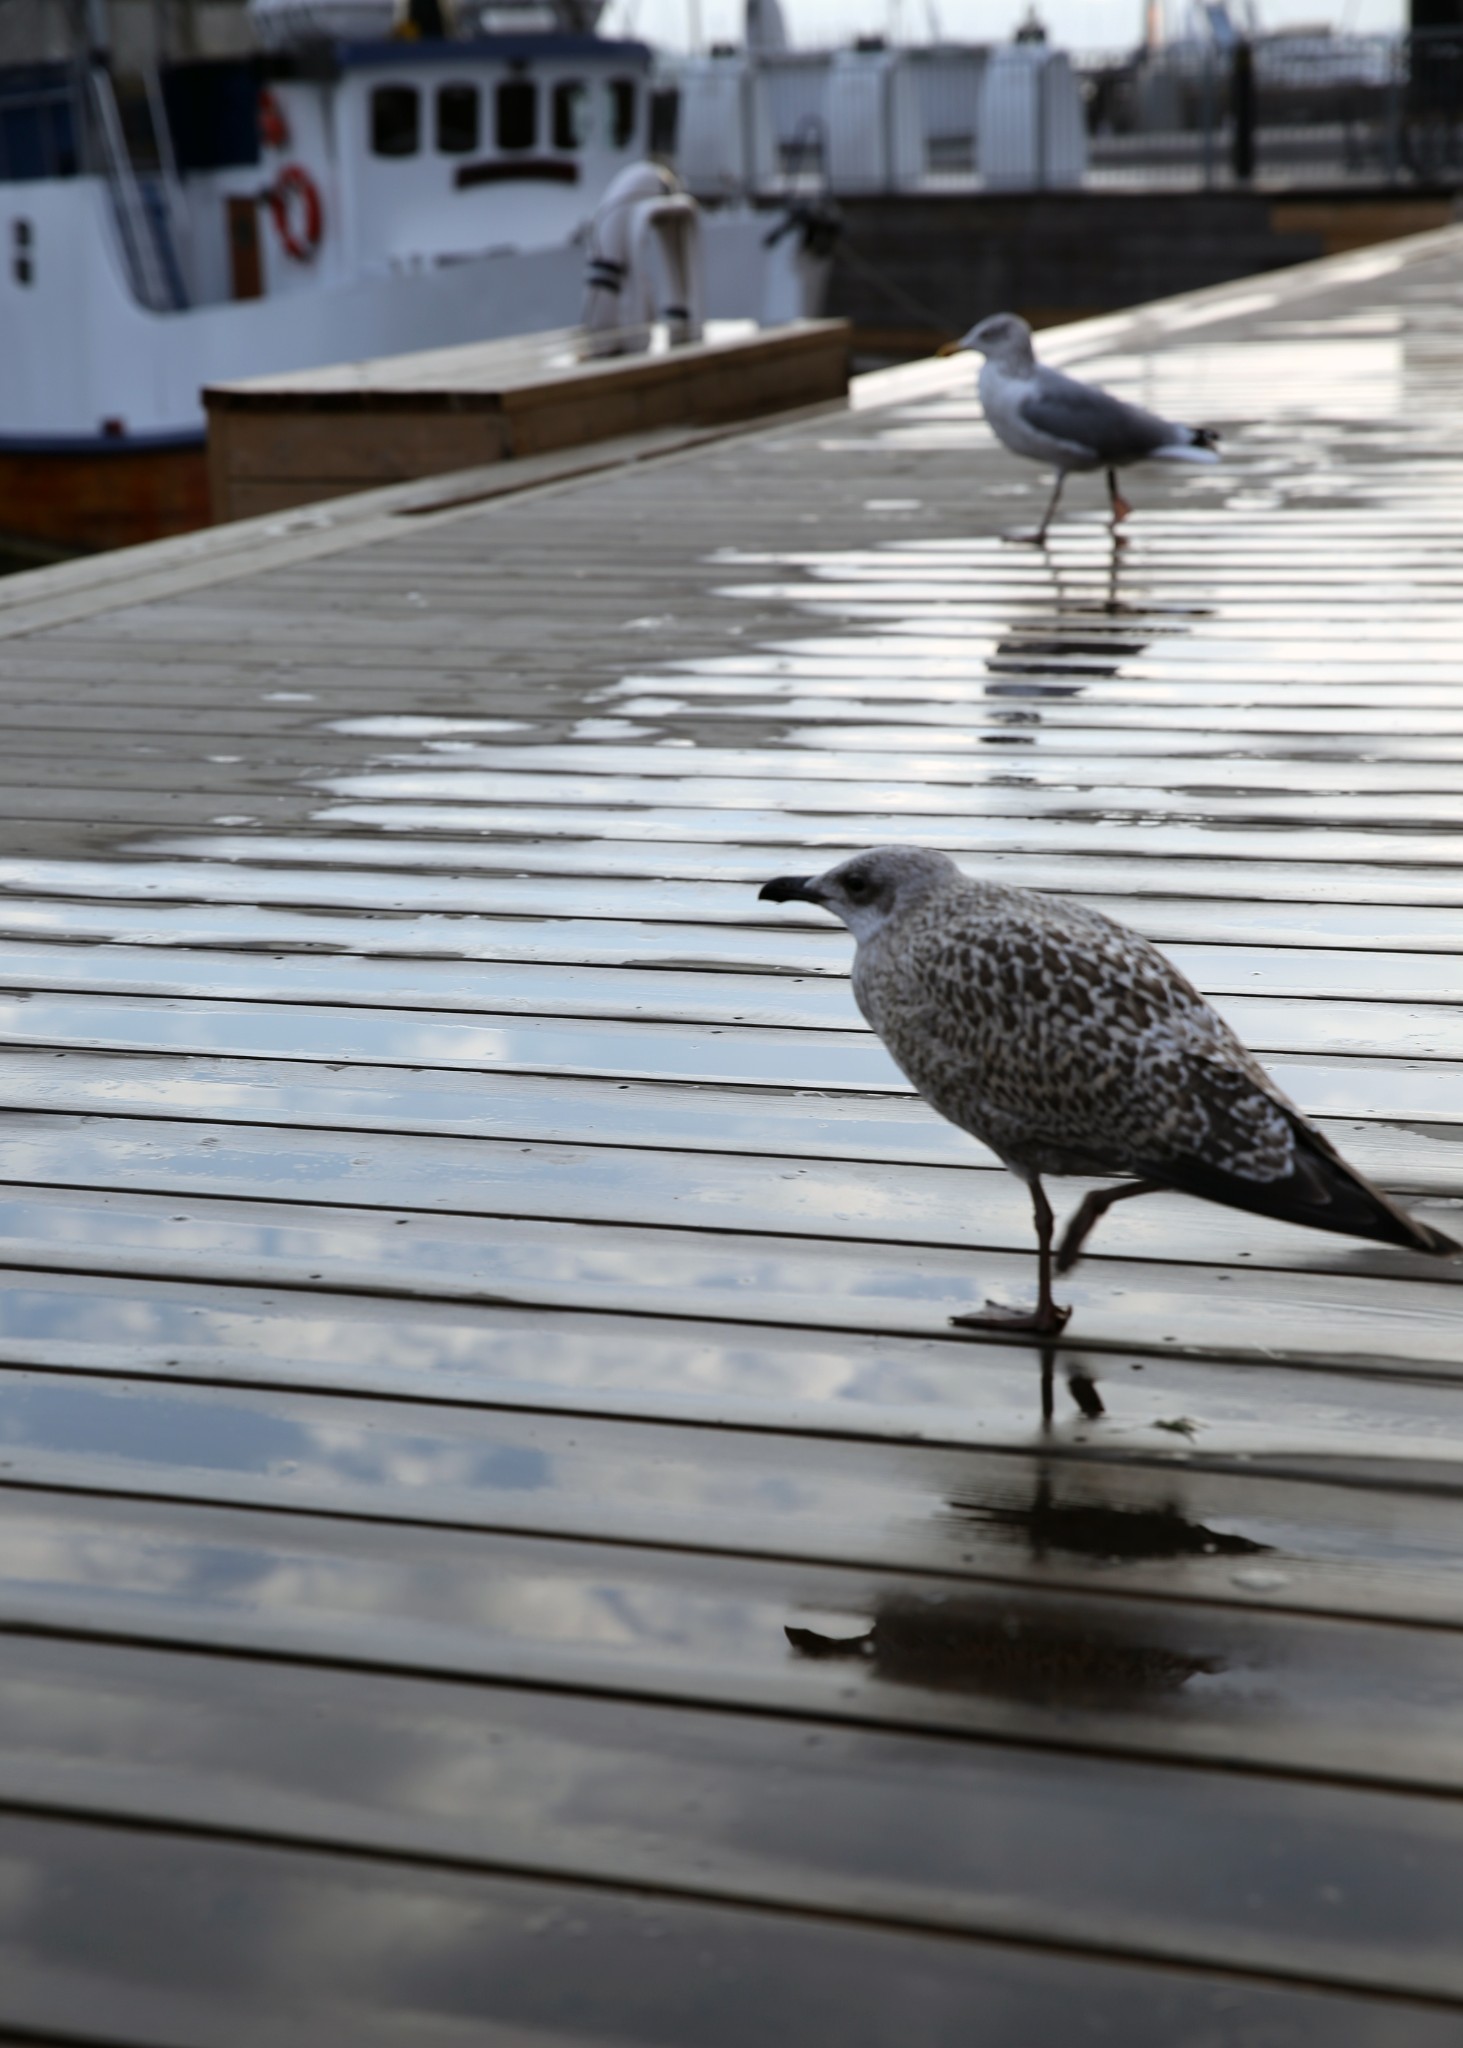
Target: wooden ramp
498	1540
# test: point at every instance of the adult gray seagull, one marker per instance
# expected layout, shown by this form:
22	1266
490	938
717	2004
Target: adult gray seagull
1069	1044
1050	417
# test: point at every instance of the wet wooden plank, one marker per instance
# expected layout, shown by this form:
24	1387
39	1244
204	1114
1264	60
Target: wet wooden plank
887	1205
1242	1684
1316	1299
928	579
632	835
1136	1521
1360	747
1391	794
1316	1417
623	1049
853	708
1420	1156
1022	850
1378	1024
661	922
144	793
817	841
724	1807
1267	691
1181	1408
711	885
357	962
1268	786
380	1954
248	548
1030	857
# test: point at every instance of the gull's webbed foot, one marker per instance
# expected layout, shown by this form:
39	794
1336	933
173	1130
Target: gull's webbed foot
1037	1322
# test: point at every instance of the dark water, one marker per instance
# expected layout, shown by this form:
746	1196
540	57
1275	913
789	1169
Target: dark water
10	563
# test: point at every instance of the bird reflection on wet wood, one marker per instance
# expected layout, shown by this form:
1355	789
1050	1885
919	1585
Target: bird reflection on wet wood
962	1644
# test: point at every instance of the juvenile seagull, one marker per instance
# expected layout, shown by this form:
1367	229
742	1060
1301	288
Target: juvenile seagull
1040	413
1070	1045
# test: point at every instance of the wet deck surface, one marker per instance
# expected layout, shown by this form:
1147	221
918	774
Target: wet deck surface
497	1538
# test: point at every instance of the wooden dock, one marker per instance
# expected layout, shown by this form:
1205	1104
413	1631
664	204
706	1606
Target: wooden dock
499	1543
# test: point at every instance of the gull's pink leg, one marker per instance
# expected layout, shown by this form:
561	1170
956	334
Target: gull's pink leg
1048	1317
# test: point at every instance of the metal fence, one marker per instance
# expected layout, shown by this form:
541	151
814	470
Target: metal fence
1285	108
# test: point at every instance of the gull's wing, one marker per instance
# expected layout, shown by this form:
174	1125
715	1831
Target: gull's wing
1321	1190
1056	1036
1086	417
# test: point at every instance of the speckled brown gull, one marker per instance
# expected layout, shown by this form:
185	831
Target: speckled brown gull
1047	416
1071	1045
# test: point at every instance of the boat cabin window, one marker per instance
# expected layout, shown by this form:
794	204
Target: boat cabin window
457	119
38	118
395	120
623	112
517	114
571	114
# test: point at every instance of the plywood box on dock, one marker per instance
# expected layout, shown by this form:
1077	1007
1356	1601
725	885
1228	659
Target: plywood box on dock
276	442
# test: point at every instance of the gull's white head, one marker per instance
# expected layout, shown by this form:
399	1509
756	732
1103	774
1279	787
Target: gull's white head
1003	337
868	889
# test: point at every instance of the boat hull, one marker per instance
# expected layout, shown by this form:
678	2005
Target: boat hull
77	500
101	412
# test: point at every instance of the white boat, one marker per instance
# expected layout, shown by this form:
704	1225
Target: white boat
342	192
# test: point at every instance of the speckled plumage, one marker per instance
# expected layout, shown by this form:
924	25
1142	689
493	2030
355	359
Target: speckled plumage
1069	1044
1066	1043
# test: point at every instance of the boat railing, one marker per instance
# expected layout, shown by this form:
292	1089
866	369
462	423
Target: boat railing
145	223
170	186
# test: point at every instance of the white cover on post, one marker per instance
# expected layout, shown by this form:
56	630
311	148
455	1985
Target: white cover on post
725	144
875	126
1064	123
1030	133
644	240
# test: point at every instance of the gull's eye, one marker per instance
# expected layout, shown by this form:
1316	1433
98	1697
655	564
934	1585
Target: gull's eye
857	887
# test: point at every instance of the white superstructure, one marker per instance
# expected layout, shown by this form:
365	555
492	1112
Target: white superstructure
320	201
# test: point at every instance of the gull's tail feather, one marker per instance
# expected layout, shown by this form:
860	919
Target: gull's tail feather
1435	1241
1324	1193
1197	444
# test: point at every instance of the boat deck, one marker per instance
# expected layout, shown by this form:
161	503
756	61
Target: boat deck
498	1539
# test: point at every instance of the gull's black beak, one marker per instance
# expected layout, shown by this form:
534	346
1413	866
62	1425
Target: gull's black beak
789	889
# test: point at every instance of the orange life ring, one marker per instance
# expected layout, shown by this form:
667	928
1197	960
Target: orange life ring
299	217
